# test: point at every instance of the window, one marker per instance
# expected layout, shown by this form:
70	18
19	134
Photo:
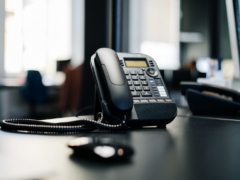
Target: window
37	33
154	30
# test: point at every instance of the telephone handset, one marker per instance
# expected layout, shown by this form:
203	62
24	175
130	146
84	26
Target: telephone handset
118	94
130	89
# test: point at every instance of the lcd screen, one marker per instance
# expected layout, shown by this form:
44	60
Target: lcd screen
135	63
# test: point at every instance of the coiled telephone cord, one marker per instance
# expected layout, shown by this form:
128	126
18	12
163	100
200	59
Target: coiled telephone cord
61	127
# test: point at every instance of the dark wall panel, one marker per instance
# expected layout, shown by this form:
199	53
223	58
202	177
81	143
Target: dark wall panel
95	38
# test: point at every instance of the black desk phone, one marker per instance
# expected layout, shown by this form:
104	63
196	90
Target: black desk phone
130	92
206	99
130	89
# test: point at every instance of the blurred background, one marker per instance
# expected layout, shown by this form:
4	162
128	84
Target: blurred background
46	45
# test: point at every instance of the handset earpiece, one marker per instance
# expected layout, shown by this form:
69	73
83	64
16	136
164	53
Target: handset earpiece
117	90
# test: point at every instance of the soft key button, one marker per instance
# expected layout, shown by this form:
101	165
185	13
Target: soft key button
152	100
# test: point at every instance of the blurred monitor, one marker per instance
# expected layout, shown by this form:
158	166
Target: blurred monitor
233	15
62	64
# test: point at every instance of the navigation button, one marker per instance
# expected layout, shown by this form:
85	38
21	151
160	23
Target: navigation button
151	72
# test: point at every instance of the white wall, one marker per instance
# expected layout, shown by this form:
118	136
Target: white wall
154	30
2	18
77	32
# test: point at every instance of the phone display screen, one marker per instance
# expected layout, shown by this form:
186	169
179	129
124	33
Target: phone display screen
135	63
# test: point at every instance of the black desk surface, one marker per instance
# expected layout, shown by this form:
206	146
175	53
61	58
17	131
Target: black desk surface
189	148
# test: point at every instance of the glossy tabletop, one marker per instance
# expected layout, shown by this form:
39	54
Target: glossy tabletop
188	148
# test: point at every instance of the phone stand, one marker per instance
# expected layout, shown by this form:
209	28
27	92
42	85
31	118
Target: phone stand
97	106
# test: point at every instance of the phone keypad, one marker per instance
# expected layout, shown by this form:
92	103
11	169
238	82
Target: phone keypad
140	86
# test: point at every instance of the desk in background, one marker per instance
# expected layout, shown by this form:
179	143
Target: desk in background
189	148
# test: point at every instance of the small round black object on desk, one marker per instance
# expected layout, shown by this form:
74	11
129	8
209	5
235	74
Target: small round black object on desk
105	149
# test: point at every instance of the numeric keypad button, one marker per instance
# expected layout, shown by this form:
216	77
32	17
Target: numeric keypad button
134	78
140	73
144	83
142	77
146	88
131	88
133	72
135	94
128	77
136	83
138	88
146	94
